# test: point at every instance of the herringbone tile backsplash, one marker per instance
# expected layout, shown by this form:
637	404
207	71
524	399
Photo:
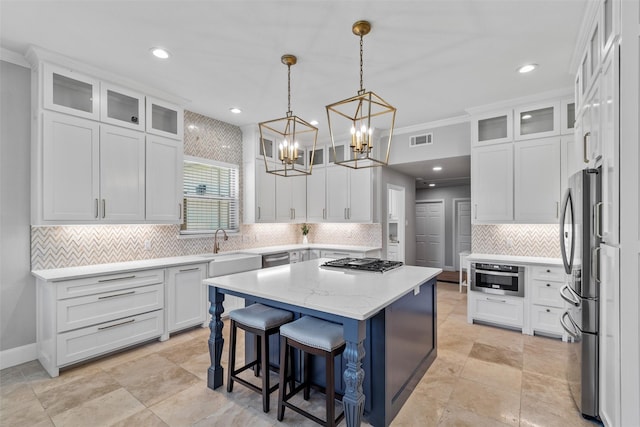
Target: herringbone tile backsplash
540	240
69	246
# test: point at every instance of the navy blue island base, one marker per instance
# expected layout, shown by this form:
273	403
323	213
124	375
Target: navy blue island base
386	355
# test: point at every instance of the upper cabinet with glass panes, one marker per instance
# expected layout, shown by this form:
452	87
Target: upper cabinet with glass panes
537	121
70	92
492	128
164	119
122	107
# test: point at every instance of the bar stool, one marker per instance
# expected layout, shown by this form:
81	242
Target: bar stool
317	337
262	322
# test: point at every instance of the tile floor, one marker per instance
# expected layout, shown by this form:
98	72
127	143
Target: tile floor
483	376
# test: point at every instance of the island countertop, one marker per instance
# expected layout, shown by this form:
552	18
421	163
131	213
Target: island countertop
353	294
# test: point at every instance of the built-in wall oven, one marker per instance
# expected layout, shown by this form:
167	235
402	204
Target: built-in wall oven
499	279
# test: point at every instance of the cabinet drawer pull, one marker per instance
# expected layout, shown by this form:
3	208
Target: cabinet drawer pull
104	208
97	209
584	147
258	212
324	213
190	269
548	285
117	324
117	295
496	300
548	311
179	210
117	278
548	271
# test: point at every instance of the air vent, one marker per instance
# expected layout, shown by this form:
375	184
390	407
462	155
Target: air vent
419	140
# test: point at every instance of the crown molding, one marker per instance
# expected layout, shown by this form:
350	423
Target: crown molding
515	102
14	58
431	125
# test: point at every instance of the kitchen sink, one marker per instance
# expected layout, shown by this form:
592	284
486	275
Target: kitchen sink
223	264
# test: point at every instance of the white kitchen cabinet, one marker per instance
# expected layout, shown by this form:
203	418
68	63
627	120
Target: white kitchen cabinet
496	309
547	306
78	319
567	116
609	361
610	138
537	121
492	183
122	107
349	194
164	160
186	296
492	128
590	117
164	119
316	195
122	174
265	194
291	199
570	163
537	181
71	168
70	92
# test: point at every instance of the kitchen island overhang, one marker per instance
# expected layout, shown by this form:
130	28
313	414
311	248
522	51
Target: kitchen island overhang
389	325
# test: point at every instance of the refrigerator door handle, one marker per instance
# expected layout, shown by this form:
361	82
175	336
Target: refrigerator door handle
571	298
595	264
598	220
567	202
574	331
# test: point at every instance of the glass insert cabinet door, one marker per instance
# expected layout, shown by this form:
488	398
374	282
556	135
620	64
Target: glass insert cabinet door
164	119
72	93
492	127
122	107
537	121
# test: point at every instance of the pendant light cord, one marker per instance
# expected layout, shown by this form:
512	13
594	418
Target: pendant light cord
289	90
361	91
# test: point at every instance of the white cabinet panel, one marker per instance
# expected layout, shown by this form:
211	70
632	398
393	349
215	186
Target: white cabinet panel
570	162
337	193
537	181
537	121
360	195
164	158
567	116
492	183
164	119
265	194
186	296
122	174
498	309
492	128
71	166
291	199
122	107
546	320
316	196
71	92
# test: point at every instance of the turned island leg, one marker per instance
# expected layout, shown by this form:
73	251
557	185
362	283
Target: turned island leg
216	342
353	400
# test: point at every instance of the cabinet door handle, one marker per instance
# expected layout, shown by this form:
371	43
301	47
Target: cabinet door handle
557	210
190	269
345	213
595	264
584	147
117	295
349	213
117	278
548	311
104	208
179	210
475	214
548	285
258	212
117	324
97	209
324	213
598	221
496	300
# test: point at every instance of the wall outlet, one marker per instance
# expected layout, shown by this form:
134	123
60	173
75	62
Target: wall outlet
147	245
509	243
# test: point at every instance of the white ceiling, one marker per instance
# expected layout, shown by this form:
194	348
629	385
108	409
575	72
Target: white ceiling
430	59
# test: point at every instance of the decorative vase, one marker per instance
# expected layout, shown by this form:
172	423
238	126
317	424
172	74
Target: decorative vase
305	241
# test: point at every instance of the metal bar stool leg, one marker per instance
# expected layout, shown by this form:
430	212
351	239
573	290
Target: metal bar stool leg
232	356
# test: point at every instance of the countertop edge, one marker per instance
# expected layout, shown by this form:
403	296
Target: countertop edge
515	259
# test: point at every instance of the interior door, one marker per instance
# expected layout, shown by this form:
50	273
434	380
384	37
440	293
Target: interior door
421	239
463	230
430	234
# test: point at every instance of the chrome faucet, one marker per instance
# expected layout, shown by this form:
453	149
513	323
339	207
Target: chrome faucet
216	245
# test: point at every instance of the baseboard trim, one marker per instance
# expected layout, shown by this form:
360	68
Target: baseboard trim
449	268
17	355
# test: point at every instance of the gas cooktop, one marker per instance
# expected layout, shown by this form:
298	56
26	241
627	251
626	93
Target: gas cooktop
363	264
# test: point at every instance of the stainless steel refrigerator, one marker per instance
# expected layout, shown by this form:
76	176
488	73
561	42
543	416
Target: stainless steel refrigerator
580	246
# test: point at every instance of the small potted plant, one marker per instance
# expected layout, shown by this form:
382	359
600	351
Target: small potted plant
305	230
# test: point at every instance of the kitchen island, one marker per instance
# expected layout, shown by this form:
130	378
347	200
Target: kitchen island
389	322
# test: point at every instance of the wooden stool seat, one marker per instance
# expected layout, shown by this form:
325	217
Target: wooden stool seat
262	322
313	337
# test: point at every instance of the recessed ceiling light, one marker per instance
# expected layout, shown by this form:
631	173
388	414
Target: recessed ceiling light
432	185
418	179
526	116
235	110
159	52
527	68
437	168
313	122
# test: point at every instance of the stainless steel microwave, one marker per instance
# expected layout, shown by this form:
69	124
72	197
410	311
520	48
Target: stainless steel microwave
499	279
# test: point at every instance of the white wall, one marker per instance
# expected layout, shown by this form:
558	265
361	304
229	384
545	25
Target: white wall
17	286
447	194
448	141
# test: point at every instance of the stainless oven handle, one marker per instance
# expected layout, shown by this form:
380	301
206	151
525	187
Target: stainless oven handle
497	273
571	331
571	299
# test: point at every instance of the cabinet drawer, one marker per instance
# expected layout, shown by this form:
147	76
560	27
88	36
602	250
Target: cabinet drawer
498	309
79	312
546	292
546	319
95	340
112	282
548	273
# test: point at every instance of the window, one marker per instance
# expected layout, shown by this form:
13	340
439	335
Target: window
210	196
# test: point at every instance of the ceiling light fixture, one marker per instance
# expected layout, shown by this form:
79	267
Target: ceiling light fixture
314	122
291	134
527	68
359	122
437	168
235	110
159	52
432	185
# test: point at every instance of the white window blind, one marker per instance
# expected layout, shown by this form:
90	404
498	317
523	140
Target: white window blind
210	196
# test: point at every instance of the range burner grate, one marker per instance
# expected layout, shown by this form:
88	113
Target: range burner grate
363	264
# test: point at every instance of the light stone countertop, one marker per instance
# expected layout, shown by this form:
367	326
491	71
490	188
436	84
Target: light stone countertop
59	274
530	260
353	294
